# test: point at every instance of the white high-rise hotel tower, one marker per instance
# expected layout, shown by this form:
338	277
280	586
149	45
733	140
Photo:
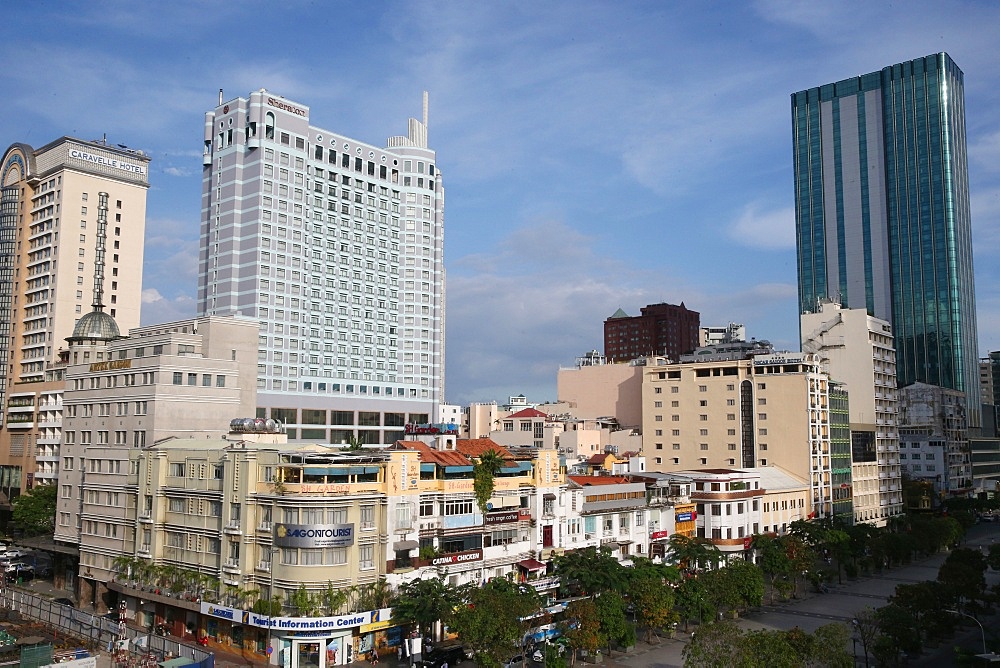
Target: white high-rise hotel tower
336	246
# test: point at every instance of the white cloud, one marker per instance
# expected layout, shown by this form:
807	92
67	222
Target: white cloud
177	171
764	228
158	309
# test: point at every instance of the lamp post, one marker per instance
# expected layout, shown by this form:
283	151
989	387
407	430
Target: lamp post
981	629
270	596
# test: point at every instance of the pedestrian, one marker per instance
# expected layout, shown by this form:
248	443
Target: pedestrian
374	656
399	653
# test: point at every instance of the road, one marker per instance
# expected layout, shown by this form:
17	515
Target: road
842	604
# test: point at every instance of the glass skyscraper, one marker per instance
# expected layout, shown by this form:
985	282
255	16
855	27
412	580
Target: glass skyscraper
882	213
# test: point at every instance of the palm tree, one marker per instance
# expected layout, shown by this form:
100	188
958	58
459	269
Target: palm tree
483	471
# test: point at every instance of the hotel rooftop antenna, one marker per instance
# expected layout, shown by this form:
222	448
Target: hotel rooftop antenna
220	97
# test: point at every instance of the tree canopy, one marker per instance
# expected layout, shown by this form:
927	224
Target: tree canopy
34	513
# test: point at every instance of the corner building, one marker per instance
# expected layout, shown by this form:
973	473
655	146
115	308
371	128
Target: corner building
882	213
336	246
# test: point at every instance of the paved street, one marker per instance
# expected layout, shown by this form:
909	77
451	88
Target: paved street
841	605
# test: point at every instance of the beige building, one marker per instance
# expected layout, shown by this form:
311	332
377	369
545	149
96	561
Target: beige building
183	379
72	223
762	410
857	350
596	389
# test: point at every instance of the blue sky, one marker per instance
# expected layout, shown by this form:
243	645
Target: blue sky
594	154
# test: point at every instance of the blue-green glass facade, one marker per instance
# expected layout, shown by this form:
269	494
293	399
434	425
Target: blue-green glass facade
882	212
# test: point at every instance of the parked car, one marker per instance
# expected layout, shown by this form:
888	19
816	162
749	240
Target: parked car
437	657
12	566
14	554
20	571
513	662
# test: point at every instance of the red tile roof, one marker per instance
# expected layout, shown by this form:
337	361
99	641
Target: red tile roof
432	456
599	458
528	413
474	447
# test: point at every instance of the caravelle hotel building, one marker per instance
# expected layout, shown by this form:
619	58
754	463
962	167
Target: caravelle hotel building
72	222
336	246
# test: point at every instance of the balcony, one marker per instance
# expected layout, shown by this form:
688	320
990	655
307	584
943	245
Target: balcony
233	528
264	527
144	550
231	566
264	566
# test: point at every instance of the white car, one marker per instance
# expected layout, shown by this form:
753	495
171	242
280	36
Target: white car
13	554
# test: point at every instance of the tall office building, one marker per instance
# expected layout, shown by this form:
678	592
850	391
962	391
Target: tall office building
336	246
882	212
72	223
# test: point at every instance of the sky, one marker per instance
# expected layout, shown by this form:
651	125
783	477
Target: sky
595	155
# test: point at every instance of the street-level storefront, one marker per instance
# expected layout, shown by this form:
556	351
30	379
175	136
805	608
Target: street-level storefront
304	642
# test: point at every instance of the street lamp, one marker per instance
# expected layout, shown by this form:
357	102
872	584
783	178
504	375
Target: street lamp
270	596
981	629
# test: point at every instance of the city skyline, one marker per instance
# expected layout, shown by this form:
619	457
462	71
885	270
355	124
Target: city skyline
565	203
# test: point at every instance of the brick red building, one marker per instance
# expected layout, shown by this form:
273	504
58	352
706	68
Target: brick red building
662	329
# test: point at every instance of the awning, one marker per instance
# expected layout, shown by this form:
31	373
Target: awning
427	468
531	565
176	663
549	496
405	545
624	542
457	469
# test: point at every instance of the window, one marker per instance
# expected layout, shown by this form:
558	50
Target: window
176	505
220	381
178	378
177	470
367	517
366	555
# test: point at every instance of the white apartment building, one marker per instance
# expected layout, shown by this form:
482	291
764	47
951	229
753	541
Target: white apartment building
336	246
858	350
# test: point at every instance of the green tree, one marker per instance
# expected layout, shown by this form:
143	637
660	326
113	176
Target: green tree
691	553
490	624
735	587
653	601
34	512
964	573
993	559
374	596
774	561
484	471
335	598
898	632
590	571
716	645
424	602
692	601
829	646
582	628
768	648
611	615
307	604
